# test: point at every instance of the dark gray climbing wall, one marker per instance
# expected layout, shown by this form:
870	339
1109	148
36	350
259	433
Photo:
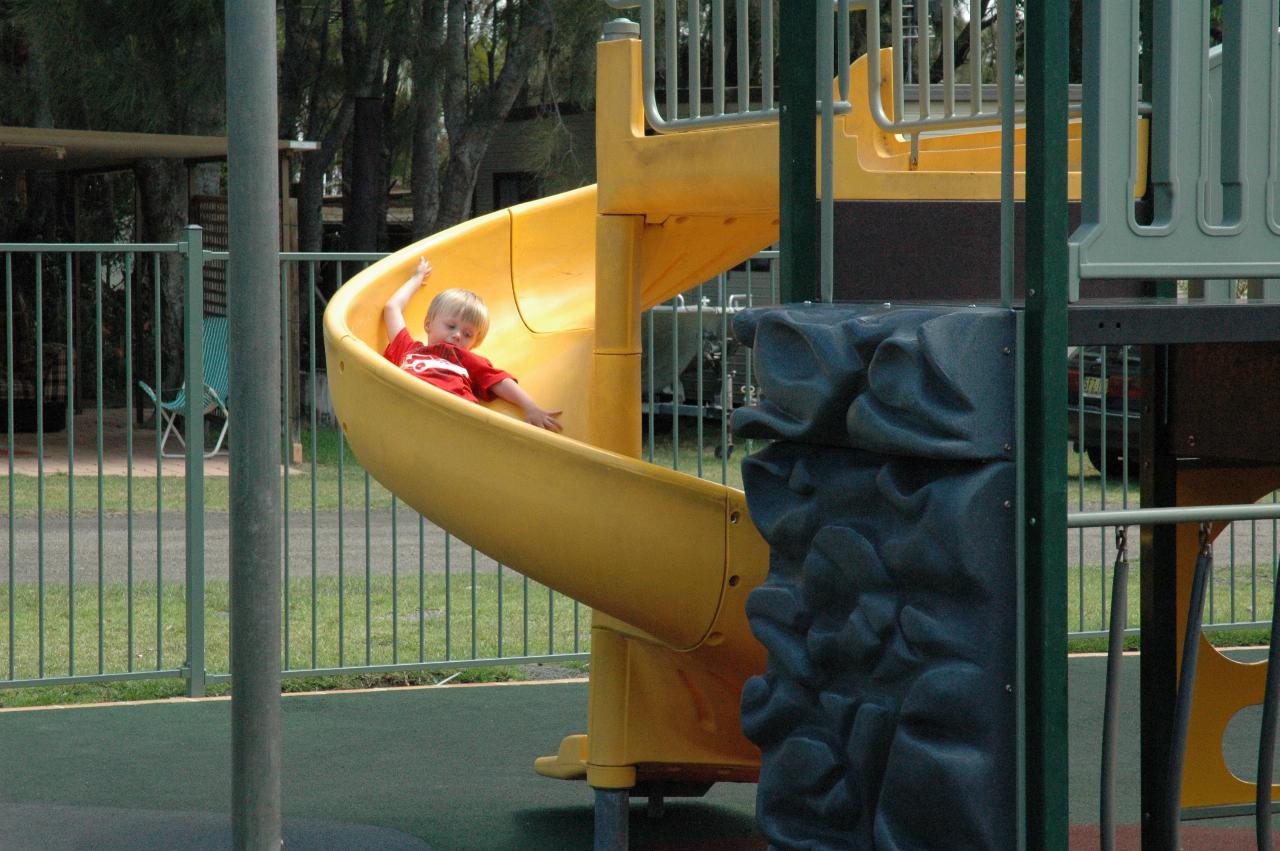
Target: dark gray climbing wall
887	713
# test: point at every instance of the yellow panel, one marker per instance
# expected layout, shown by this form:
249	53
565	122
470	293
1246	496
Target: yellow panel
554	289
733	171
1223	686
730	171
658	715
683	251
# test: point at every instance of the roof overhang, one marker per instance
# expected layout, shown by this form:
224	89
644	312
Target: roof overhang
42	149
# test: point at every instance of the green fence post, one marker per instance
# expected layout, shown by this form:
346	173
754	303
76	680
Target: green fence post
1045	432
797	126
193	431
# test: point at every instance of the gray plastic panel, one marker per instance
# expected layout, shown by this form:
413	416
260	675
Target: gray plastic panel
1214	162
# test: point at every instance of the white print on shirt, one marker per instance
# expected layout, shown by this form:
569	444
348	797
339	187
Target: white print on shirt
423	363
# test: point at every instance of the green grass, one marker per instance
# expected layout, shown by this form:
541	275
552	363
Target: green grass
1085	485
684	449
334	484
393	631
376	627
1253	593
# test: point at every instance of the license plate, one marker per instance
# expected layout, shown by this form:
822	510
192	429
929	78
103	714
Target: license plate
1092	386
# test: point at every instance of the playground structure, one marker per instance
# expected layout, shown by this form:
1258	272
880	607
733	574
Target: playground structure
665	560
566	279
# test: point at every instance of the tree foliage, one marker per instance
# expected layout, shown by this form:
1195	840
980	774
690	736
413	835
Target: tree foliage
134	65
443	73
119	65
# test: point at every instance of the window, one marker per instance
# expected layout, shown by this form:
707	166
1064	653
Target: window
514	187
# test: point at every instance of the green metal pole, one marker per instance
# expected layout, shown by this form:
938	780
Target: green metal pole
1045	438
254	323
193	429
797	144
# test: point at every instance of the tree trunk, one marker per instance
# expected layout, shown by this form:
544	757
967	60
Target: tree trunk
386	150
293	68
315	166
457	190
425	179
471	125
426	166
362	60
311	200
360	224
162	195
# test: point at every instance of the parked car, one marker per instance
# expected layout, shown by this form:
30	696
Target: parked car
1104	384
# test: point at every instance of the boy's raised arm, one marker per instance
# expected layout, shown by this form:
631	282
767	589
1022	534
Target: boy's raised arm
393	312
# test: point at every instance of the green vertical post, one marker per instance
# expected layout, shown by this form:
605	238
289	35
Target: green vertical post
9	446
254	313
1158	674
797	145
193	431
1045	438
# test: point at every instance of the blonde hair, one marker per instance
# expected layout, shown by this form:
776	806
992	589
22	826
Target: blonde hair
463	304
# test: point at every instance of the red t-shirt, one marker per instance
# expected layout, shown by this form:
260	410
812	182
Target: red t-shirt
449	367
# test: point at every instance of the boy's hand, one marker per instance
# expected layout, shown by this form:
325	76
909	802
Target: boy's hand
550	420
423	272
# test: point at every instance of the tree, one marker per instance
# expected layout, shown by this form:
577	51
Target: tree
427	92
507	41
363	61
144	67
314	105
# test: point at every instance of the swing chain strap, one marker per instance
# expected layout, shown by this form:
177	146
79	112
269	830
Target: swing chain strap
1206	551
1122	546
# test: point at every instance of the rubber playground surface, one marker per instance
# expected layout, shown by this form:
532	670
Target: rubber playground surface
420	768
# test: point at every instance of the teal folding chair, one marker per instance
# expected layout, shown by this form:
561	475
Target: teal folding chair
215	390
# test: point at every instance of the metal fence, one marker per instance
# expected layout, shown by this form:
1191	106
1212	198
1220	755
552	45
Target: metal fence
713	62
109	577
695	373
97	583
1104	424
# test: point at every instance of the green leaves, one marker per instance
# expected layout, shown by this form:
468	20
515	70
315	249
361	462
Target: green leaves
131	65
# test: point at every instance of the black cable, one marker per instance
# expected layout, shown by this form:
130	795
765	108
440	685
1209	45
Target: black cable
1186	682
1111	703
1267	736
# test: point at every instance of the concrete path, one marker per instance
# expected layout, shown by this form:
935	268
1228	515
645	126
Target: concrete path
28	451
345	543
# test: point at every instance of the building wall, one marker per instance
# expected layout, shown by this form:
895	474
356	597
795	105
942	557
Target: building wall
510	154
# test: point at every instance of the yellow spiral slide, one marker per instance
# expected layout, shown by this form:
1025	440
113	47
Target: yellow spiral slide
665	560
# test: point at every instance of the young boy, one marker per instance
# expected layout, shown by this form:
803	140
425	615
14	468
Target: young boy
456	321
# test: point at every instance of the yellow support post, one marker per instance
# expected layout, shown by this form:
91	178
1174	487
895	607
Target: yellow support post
615	388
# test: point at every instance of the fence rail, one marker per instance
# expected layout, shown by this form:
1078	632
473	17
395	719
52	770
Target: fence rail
105	579
713	62
1104	421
